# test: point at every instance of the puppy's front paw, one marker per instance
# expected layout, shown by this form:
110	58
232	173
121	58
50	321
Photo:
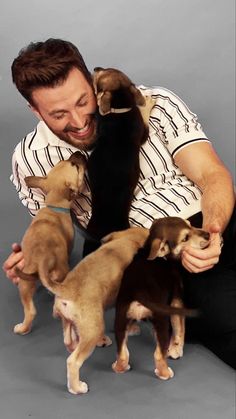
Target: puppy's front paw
80	388
149	102
105	341
22	329
120	367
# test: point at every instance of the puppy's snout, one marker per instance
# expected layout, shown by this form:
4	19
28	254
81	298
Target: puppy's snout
206	239
206	235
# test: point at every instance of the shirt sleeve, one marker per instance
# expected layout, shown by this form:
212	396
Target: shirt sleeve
180	127
33	199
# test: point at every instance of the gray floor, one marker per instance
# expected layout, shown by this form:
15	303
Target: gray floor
33	369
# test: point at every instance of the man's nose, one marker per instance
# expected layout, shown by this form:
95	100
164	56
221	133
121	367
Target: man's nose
78	119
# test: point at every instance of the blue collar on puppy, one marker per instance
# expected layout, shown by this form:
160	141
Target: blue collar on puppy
59	209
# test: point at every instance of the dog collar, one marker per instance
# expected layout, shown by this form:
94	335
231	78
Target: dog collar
59	209
120	110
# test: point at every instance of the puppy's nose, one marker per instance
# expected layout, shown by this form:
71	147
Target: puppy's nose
206	235
97	69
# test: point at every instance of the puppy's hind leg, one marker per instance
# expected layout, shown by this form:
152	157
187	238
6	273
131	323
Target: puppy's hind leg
121	333
27	290
89	335
161	325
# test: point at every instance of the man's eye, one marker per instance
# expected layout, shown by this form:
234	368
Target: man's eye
59	116
81	104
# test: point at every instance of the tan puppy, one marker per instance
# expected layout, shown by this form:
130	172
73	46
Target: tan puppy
47	241
84	294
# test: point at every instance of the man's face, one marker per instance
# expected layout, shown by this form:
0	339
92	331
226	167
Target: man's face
68	110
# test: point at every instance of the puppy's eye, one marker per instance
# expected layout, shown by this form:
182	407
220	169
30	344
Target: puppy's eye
186	238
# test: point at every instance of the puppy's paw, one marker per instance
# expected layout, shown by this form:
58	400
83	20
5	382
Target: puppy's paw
176	349
149	102
164	374
22	329
175	352
79	388
120	367
105	341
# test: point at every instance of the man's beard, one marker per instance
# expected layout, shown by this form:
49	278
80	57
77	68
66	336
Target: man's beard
86	143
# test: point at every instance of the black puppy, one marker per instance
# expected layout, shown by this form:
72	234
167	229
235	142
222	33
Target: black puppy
113	166
153	288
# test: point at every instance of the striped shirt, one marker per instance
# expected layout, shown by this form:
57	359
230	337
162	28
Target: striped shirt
162	189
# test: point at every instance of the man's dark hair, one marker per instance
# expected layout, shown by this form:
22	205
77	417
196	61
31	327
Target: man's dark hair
46	64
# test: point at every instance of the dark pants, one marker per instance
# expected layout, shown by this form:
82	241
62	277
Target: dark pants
214	293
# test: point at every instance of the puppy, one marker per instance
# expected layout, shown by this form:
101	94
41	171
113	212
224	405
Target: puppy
113	167
152	289
84	294
47	242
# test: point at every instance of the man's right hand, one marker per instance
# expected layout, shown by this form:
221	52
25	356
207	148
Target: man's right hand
14	259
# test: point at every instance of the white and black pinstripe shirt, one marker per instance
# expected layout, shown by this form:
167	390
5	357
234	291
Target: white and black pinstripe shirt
162	189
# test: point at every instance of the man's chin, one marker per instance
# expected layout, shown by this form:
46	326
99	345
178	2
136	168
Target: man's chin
85	143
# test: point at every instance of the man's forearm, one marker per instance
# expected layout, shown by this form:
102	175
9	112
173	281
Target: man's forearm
218	201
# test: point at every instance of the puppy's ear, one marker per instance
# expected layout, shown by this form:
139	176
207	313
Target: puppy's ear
77	159
36	182
188	222
71	190
104	102
139	99
159	248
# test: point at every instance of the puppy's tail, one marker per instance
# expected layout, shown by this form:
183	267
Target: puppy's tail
52	276
167	310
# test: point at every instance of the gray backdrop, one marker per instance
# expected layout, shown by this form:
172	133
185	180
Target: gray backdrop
187	46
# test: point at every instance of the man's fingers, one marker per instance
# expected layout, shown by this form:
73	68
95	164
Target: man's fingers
12	260
200	263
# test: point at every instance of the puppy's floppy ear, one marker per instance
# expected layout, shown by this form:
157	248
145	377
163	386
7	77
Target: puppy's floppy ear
36	182
159	248
104	102
139	99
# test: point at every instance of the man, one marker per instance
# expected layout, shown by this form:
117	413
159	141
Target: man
180	175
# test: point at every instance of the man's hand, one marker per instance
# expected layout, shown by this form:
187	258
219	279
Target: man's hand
14	259
200	260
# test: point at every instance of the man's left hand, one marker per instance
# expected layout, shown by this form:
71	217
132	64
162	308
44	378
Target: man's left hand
200	260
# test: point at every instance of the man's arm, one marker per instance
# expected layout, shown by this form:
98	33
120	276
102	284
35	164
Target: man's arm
200	163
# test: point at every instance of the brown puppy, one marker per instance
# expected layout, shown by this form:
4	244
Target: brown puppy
113	166
47	241
84	294
152	289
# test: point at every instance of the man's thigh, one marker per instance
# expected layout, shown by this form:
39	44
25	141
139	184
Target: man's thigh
214	293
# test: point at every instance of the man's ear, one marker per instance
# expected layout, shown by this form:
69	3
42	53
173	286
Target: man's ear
35	111
159	248
36	182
